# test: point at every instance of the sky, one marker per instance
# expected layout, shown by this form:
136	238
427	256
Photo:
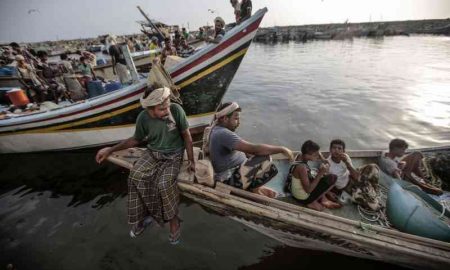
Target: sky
39	20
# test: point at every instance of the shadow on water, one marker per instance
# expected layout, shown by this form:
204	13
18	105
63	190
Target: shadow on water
63	173
59	208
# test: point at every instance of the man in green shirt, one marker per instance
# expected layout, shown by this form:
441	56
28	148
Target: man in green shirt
152	186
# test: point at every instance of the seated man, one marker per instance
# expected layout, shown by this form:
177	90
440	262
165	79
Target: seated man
219	31
227	150
50	76
37	88
185	50
364	181
407	168
341	165
167	50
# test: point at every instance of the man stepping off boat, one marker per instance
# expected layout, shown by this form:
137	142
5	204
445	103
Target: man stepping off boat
409	167
227	150
152	186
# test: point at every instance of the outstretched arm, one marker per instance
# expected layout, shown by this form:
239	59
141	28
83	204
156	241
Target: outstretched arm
103	153
263	149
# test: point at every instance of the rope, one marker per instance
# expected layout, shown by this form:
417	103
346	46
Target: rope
380	215
445	206
371	216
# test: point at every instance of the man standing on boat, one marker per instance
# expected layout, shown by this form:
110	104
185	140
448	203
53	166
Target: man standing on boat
152	183
246	10
119	63
227	150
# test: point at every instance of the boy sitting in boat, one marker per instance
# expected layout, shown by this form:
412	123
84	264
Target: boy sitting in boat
227	150
309	188
409	167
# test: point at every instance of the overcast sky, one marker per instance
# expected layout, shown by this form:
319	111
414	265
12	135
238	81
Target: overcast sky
38	20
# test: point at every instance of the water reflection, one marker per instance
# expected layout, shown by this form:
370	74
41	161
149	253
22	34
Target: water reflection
366	91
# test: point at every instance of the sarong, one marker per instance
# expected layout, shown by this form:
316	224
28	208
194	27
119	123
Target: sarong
152	187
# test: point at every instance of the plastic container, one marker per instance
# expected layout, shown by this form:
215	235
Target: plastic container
113	86
101	61
7	71
95	88
18	97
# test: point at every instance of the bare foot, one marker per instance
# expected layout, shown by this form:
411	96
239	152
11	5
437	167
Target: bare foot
331	205
315	205
331	196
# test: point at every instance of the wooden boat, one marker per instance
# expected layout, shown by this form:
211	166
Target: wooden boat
142	61
203	79
341	231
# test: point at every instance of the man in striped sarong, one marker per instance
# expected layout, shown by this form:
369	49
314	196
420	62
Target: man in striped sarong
152	186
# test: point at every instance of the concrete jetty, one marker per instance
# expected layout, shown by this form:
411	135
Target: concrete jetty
351	30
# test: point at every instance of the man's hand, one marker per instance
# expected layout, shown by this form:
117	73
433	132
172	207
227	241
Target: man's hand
103	154
344	157
401	165
288	153
192	166
324	169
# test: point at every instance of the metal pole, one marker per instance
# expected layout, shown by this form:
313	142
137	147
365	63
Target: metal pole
150	22
130	63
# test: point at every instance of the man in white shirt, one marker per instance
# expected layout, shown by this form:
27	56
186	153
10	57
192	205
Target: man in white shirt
364	181
341	164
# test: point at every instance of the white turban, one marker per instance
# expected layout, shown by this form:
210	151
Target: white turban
156	97
227	110
219	20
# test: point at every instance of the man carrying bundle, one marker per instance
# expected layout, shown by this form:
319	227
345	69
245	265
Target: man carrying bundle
152	183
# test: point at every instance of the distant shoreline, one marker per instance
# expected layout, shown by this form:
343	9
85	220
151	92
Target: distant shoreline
410	26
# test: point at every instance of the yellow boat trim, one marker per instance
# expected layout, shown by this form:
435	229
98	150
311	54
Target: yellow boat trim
213	68
79	123
55	129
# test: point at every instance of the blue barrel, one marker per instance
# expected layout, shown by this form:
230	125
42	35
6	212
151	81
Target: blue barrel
8	71
113	86
95	88
101	61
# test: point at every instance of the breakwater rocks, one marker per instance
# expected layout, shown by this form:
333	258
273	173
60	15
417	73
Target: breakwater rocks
351	30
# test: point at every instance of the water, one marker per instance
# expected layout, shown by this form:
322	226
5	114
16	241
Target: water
62	211
365	91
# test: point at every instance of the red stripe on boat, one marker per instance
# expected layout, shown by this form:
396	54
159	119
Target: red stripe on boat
252	27
82	111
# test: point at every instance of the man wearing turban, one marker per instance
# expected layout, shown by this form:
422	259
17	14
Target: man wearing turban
152	183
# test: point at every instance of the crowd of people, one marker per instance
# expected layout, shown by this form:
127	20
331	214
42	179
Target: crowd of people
45	81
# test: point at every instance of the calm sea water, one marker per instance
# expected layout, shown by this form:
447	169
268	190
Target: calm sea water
62	211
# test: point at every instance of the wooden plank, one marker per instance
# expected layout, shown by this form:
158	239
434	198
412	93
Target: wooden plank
289	218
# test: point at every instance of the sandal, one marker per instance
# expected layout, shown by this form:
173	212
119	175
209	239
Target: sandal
136	230
174	238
